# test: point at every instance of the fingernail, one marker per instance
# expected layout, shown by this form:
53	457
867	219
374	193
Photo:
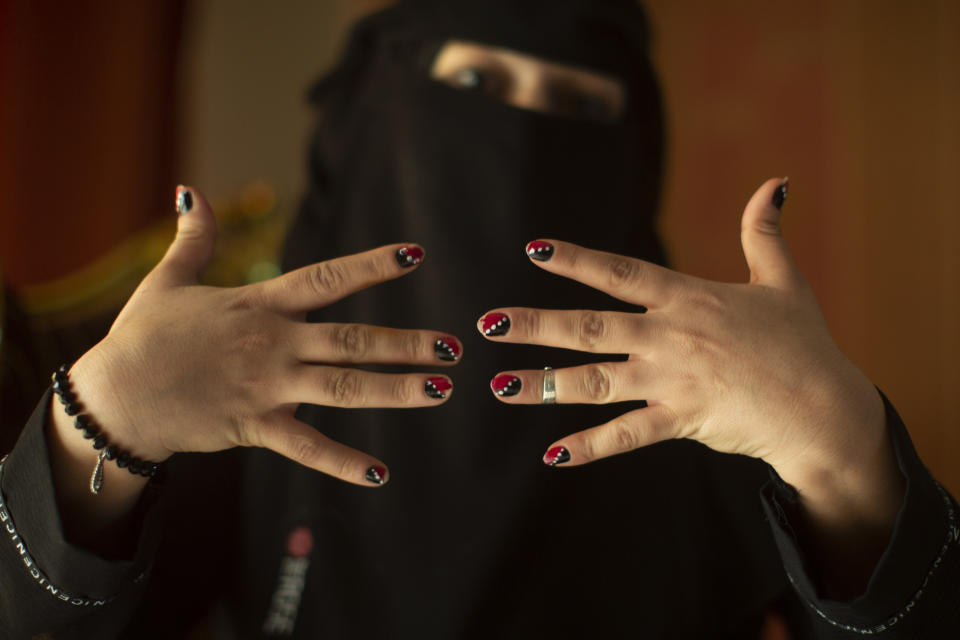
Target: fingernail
495	324
540	250
184	200
437	387
409	256
555	456
447	348
780	195
376	475
506	385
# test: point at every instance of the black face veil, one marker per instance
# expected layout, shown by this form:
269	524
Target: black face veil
398	157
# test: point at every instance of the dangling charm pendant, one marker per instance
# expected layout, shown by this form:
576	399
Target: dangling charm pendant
96	480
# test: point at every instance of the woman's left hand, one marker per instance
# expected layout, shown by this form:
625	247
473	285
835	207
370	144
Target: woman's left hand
743	368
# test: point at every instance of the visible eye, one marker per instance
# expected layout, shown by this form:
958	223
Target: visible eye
468	78
488	81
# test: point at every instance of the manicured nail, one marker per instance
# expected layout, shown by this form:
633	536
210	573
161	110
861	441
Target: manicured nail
540	250
780	195
409	256
447	348
376	475
495	324
184	200
437	387
555	456
642	404
506	385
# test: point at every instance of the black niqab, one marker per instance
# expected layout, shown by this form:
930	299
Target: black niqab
473	534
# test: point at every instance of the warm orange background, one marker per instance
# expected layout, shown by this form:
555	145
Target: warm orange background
105	106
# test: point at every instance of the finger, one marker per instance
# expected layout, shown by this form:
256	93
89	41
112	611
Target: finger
323	283
600	383
590	331
763	245
333	343
350	388
192	247
630	431
305	445
629	279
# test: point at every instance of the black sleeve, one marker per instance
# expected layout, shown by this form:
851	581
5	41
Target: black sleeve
914	591
47	585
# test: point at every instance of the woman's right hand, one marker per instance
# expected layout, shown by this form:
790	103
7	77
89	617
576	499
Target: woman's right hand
187	367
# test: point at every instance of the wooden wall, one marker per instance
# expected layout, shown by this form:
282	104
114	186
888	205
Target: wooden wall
859	103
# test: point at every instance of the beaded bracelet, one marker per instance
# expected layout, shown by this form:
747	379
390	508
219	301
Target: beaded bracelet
83	422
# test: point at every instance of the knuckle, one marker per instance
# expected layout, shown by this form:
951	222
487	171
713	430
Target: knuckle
404	391
623	437
624	273
346	388
592	329
343	467
597	385
351	342
412	346
327	277
304	450
531	323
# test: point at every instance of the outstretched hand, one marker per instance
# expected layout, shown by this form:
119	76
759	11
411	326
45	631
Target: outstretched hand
187	367
745	368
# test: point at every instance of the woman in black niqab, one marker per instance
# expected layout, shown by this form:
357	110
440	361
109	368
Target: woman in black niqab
474	536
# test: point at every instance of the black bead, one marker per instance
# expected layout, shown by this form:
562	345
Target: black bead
111	453
73	408
123	459
67	397
59	386
99	442
62	370
153	470
82	421
134	467
148	469
90	431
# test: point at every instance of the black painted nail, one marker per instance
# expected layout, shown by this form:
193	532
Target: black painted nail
184	200
780	195
447	348
643	404
409	256
437	387
540	250
495	324
376	475
506	385
555	456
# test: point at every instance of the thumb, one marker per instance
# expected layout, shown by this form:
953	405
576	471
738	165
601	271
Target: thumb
191	249
763	244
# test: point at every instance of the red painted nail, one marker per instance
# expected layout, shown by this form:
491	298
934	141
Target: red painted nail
495	324
447	348
540	250
437	387
506	385
376	475
409	256
555	456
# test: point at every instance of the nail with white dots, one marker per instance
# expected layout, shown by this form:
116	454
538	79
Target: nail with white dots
495	324
447	349
540	250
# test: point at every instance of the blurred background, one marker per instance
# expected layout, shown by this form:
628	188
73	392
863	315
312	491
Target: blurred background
107	106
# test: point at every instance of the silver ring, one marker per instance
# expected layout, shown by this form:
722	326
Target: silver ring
549	395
